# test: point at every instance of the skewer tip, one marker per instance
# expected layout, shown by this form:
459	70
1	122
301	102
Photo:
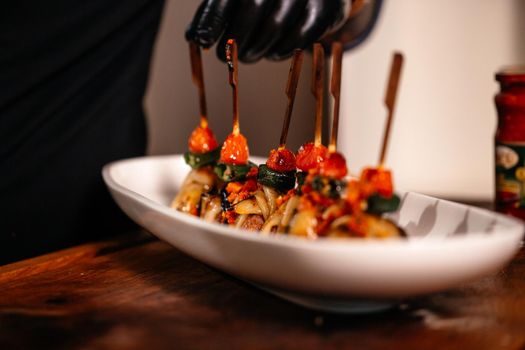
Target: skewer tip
335	90
231	60
317	89
231	47
390	100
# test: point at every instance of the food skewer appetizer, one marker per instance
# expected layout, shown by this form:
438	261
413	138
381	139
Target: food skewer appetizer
251	202
373	193
277	176
302	213
312	153
234	168
203	149
381	198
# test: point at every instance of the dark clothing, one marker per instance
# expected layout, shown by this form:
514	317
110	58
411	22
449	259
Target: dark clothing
72	80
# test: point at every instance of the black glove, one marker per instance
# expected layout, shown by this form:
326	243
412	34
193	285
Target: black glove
265	28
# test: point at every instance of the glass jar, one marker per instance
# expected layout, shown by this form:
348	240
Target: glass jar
510	142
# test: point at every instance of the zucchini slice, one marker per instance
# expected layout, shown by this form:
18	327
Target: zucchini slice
281	181
378	204
230	172
198	160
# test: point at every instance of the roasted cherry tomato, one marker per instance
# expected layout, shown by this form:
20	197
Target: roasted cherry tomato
202	140
235	150
333	166
309	156
378	180
282	160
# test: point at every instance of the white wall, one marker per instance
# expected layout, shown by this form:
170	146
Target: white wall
445	119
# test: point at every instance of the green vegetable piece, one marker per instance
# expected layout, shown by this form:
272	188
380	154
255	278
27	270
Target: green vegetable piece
336	188
301	177
198	160
281	181
378	204
230	172
318	184
328	187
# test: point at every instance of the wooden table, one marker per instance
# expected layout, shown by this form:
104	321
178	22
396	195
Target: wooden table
136	292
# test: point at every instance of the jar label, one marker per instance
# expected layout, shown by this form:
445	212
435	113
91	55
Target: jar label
510	175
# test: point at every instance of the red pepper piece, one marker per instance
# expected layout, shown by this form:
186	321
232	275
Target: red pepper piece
281	160
334	166
309	156
377	180
235	150
202	140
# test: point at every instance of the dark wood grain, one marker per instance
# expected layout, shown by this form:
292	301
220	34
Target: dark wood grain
136	292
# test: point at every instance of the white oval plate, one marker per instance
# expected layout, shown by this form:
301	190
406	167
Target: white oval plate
448	244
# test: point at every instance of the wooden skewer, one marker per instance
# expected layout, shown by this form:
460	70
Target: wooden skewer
390	101
335	89
198	80
317	90
232	60
291	88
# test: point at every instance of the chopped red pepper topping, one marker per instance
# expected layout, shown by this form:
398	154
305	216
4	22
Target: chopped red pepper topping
358	225
202	140
281	160
309	156
230	216
325	222
235	150
284	198
313	200
239	191
253	172
354	196
333	166
194	211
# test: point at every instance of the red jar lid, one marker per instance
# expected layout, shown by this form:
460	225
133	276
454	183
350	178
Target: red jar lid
511	75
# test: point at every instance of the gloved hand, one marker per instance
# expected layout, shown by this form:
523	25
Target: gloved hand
266	28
